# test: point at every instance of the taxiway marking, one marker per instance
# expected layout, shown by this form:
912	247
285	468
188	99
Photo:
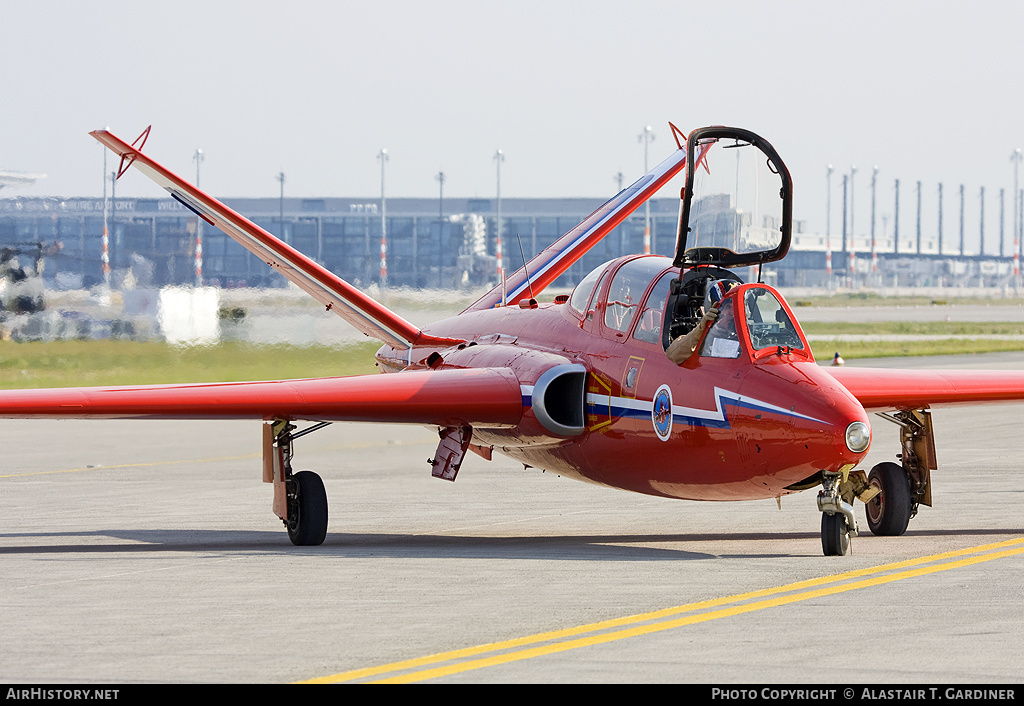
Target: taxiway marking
546	643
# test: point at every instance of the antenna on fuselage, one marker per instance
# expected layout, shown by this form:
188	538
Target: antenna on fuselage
521	252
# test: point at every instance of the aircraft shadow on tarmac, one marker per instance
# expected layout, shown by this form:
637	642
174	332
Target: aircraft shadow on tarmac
622	547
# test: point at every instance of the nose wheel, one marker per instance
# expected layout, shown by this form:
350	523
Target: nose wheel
835	535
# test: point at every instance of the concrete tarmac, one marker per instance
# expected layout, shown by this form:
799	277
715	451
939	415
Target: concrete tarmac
138	552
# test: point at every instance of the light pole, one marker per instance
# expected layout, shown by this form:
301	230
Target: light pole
383	157
113	229
896	218
828	223
1002	218
919	216
853	233
981	223
499	157
961	220
105	255
647	136
874	242
1016	156
622	231
280	178
440	198
198	157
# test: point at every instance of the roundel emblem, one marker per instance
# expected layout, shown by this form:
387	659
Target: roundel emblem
661	412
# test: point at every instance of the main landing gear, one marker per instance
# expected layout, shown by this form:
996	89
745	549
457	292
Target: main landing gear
889	512
891	492
300	499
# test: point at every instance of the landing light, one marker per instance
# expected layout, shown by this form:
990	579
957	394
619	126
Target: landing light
858	437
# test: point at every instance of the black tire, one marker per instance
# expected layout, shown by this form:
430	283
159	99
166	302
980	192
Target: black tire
835	535
888	513
307	512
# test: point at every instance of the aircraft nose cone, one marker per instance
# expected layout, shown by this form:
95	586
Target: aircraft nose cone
842	431
850	432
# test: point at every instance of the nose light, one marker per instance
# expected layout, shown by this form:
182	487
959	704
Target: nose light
858	437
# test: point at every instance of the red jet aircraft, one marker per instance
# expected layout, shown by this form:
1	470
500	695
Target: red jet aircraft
582	385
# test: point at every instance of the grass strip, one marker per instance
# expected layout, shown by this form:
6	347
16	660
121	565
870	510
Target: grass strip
120	362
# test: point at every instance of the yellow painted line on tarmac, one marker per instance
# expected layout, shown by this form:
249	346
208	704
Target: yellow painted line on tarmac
547	643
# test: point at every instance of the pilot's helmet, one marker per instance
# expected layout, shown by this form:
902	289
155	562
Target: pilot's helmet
719	289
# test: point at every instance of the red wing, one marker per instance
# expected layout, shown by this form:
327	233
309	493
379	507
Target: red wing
336	294
883	389
484	397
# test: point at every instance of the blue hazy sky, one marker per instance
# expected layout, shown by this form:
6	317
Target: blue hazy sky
923	90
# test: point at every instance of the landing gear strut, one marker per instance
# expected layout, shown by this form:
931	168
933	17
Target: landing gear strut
835	502
300	499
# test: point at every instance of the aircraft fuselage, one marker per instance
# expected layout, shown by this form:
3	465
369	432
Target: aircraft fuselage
715	428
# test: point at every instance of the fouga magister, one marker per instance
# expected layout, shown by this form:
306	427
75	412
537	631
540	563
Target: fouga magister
582	385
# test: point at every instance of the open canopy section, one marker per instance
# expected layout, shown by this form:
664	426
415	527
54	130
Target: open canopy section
737	203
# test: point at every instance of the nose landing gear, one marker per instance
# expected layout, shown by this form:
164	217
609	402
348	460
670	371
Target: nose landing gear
835	500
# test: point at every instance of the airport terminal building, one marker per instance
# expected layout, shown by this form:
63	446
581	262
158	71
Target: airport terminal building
158	242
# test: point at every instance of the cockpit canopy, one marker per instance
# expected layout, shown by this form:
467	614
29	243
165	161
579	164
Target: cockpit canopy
736	211
645	299
737	203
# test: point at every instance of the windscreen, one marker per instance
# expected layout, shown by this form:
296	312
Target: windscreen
767	321
581	295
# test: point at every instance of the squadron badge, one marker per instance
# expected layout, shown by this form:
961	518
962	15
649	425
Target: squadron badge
661	412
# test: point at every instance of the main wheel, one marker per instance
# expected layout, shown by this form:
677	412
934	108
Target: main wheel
307	510
835	535
889	512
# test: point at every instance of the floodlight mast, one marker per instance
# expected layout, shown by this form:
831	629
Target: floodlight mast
647	136
383	157
106	229
198	157
499	157
828	224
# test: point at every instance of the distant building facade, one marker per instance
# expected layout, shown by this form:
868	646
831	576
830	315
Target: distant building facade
155	239
153	242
